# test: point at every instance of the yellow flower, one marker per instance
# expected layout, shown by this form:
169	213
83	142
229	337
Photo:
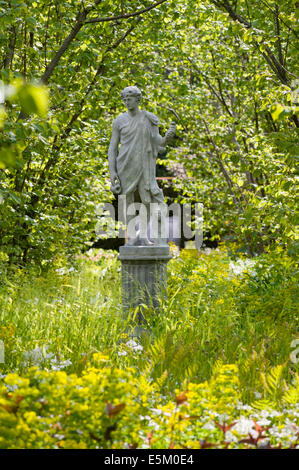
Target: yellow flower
99	357
30	417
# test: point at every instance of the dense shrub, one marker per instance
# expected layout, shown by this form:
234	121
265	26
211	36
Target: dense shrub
216	358
112	408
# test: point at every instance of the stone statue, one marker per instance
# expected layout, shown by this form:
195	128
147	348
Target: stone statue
134	146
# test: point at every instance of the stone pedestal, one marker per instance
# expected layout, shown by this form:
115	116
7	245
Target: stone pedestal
144	275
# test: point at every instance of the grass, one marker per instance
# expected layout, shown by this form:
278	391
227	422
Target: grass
218	310
214	368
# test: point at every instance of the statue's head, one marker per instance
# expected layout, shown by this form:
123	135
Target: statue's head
131	91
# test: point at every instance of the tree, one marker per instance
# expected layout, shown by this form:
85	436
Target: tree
237	116
50	188
224	70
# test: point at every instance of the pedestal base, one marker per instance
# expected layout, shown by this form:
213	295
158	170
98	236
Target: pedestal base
144	275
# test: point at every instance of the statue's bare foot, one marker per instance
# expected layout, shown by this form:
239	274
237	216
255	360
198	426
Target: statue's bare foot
139	242
145	242
132	242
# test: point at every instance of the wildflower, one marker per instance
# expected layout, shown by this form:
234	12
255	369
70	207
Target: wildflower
134	346
59	365
122	353
61	271
209	426
35	356
237	268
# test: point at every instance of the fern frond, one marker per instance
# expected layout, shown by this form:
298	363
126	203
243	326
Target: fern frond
161	380
291	396
274	378
263	404
217	366
264	382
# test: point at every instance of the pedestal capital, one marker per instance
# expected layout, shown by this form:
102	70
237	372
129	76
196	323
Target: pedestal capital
144	253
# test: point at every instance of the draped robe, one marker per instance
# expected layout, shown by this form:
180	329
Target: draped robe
139	145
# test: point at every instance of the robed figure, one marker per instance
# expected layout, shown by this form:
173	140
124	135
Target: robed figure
134	147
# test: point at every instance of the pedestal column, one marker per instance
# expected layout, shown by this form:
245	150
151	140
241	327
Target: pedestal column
144	275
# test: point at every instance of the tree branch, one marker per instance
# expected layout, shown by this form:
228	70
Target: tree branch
81	16
222	167
288	26
11	46
220	96
57	146
277	27
280	71
79	23
126	15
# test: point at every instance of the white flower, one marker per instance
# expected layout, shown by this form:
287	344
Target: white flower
209	426
263	422
244	426
35	356
40	356
122	353
273	413
223	418
64	270
129	347
230	437
134	346
244	407
265	413
237	268
156	411
61	271
131	343
59	365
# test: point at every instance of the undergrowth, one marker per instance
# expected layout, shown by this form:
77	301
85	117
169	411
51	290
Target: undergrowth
221	314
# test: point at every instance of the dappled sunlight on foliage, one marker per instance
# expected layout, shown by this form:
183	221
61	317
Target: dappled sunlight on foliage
217	353
107	407
217	363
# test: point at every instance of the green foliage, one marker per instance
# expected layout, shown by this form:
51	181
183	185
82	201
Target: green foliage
226	77
33	99
110	408
240	311
223	338
218	354
232	112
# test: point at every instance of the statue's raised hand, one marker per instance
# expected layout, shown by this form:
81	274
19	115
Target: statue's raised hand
168	136
171	132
